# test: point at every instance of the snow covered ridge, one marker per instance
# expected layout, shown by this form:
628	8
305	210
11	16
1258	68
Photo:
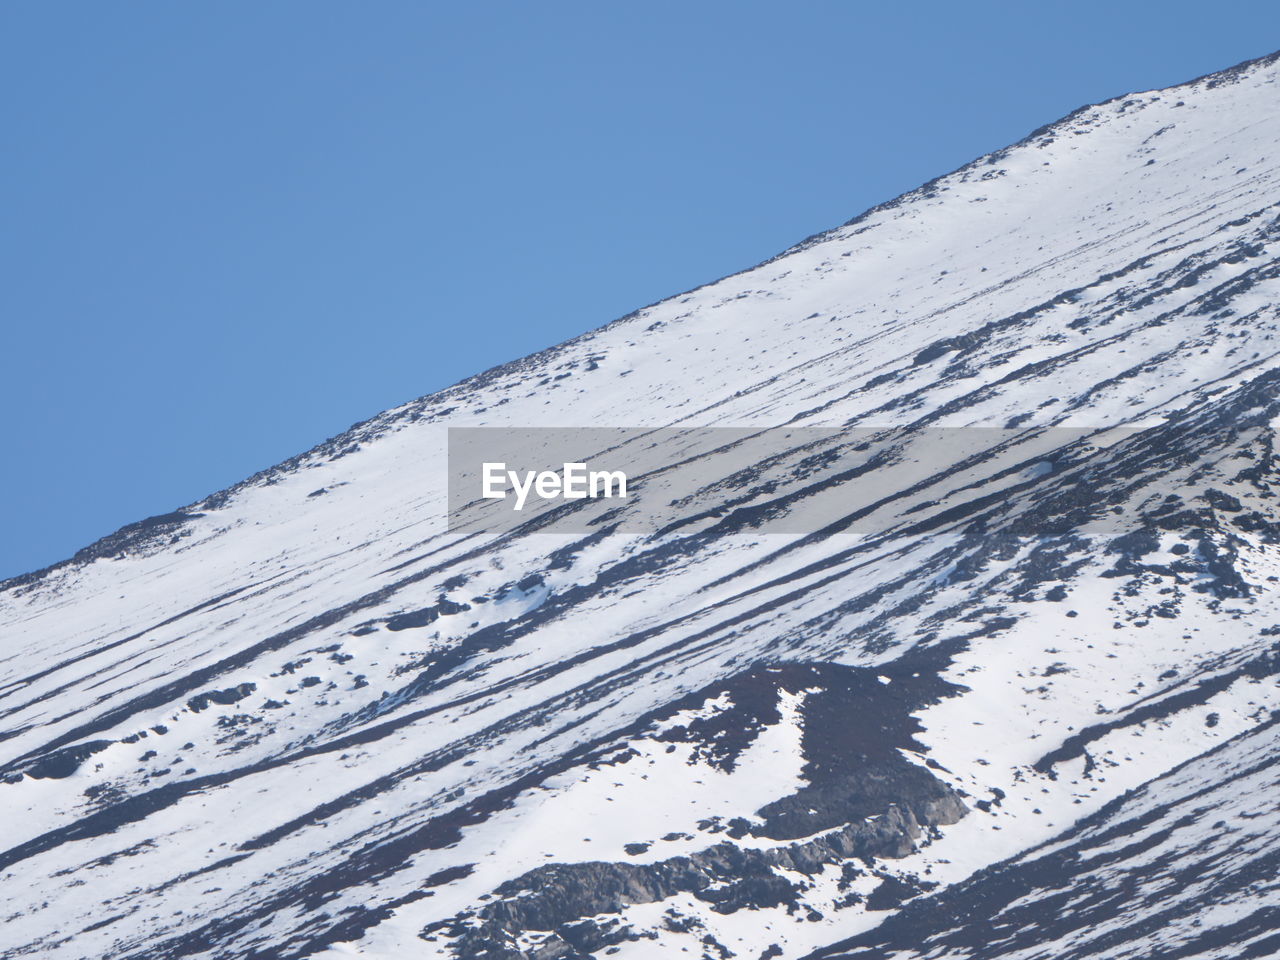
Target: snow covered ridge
302	718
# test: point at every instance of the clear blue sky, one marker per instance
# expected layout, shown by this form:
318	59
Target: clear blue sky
230	230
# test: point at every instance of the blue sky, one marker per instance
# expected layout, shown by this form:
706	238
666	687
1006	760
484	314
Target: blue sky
231	230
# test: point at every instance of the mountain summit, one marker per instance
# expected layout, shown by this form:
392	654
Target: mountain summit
1015	696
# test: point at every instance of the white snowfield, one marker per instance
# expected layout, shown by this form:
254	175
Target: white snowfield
302	719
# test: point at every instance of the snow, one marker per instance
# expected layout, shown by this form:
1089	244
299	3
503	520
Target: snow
1099	293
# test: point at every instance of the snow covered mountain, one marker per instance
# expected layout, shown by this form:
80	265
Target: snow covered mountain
1021	703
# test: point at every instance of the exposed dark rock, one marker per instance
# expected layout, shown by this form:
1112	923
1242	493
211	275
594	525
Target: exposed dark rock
427	615
221	697
63	763
860	800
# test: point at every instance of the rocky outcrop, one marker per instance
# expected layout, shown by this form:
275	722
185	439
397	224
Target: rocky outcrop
861	800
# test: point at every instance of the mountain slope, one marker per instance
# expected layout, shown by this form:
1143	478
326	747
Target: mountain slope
304	718
1186	866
